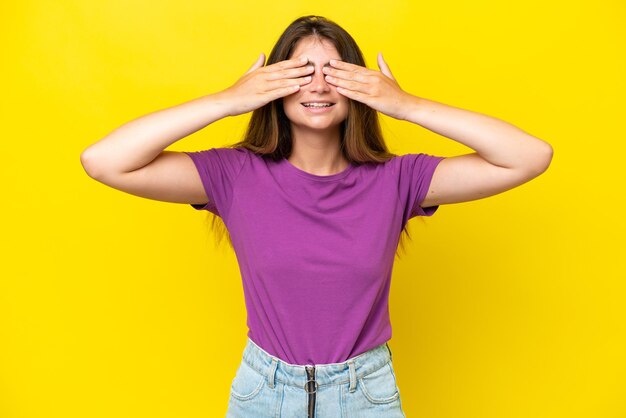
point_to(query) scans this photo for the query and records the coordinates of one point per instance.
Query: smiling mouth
(317, 105)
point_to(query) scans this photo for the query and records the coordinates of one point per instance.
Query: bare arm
(133, 159)
(505, 156)
(138, 142)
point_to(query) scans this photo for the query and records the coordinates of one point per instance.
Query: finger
(286, 82)
(342, 65)
(284, 91)
(258, 64)
(350, 94)
(384, 68)
(347, 84)
(346, 75)
(290, 63)
(291, 72)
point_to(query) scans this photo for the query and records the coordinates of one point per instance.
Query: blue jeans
(363, 386)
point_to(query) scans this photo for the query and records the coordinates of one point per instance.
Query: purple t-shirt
(315, 252)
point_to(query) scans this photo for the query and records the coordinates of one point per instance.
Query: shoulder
(220, 160)
(416, 158)
(229, 152)
(224, 154)
(417, 163)
(411, 162)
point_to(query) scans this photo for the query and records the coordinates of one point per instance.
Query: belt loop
(352, 370)
(272, 372)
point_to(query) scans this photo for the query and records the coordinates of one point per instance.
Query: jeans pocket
(380, 387)
(247, 383)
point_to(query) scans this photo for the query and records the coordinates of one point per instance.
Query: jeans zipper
(311, 388)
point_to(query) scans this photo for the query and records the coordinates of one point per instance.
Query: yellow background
(117, 306)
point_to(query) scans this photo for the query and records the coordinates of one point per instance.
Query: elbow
(546, 157)
(541, 160)
(88, 161)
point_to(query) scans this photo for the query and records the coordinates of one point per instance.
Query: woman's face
(319, 51)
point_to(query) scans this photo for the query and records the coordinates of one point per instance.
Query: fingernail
(333, 62)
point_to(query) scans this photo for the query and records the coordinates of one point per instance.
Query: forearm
(138, 142)
(495, 140)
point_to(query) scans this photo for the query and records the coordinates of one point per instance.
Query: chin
(315, 122)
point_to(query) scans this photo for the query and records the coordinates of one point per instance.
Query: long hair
(269, 130)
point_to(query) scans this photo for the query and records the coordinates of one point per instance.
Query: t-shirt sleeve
(218, 169)
(415, 174)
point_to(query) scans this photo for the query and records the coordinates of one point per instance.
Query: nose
(318, 83)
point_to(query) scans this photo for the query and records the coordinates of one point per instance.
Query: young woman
(314, 205)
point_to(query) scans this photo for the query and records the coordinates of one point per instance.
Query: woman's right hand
(260, 85)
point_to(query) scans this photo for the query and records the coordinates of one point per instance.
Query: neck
(317, 152)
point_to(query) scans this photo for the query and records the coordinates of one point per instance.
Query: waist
(325, 374)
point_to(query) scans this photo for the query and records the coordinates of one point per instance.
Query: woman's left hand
(377, 89)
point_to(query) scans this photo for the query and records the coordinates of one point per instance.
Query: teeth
(317, 104)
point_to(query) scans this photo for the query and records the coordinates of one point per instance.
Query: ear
(258, 64)
(384, 68)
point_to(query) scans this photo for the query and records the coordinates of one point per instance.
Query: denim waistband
(276, 369)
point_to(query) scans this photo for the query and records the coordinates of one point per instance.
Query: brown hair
(269, 130)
